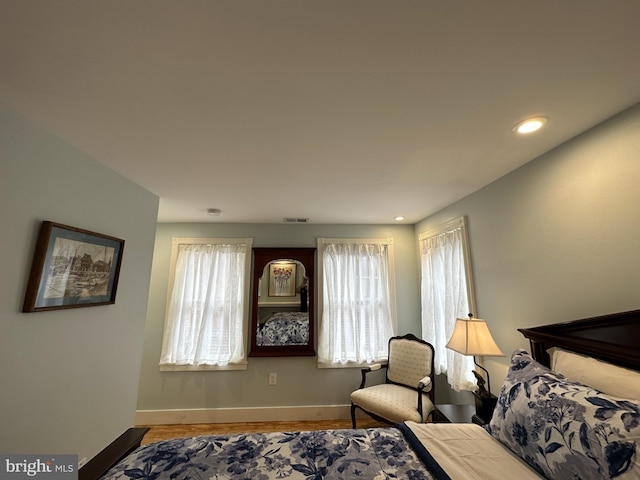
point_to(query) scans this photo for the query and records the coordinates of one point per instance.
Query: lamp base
(485, 406)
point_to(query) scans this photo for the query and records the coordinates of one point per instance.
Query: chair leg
(353, 416)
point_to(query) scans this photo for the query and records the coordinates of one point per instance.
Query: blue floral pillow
(564, 429)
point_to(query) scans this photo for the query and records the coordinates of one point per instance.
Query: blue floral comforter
(284, 328)
(373, 454)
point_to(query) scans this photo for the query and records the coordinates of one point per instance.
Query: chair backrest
(410, 360)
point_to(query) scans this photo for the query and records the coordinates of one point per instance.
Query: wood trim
(112, 454)
(262, 257)
(612, 338)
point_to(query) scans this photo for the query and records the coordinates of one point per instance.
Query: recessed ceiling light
(214, 212)
(530, 125)
(398, 218)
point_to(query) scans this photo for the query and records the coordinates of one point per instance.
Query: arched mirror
(283, 307)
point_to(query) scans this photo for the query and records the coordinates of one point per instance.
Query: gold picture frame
(282, 279)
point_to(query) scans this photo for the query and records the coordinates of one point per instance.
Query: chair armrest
(371, 368)
(424, 383)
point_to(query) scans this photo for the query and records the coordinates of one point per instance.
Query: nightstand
(478, 420)
(448, 413)
(485, 407)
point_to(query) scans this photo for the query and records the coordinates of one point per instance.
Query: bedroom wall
(557, 239)
(300, 382)
(554, 240)
(69, 377)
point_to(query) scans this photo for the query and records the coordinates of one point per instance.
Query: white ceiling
(342, 111)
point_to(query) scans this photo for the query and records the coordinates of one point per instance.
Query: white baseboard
(245, 414)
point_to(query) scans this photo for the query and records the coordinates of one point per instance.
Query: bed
(546, 424)
(284, 328)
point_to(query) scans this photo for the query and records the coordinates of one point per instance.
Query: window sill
(203, 368)
(350, 364)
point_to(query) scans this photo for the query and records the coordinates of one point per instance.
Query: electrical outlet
(273, 378)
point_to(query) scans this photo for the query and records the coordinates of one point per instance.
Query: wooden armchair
(408, 391)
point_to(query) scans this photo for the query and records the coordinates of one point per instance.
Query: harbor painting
(73, 268)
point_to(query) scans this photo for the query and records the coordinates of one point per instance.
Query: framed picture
(282, 279)
(72, 268)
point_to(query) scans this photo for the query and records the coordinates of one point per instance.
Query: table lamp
(471, 336)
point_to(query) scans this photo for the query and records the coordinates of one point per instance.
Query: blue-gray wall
(300, 382)
(558, 239)
(69, 377)
(554, 240)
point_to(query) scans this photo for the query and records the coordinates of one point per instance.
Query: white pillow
(606, 377)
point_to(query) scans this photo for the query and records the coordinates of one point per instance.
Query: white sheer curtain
(205, 316)
(445, 298)
(357, 317)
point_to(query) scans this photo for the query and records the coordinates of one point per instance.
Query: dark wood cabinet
(449, 413)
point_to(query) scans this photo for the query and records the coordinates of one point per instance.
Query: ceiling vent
(295, 220)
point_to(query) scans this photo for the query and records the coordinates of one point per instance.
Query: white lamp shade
(471, 336)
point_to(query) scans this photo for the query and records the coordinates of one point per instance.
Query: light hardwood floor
(164, 432)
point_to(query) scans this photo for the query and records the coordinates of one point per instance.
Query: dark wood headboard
(613, 338)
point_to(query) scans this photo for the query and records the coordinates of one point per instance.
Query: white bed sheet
(468, 452)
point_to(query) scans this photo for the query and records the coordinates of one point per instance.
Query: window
(447, 294)
(207, 309)
(357, 310)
